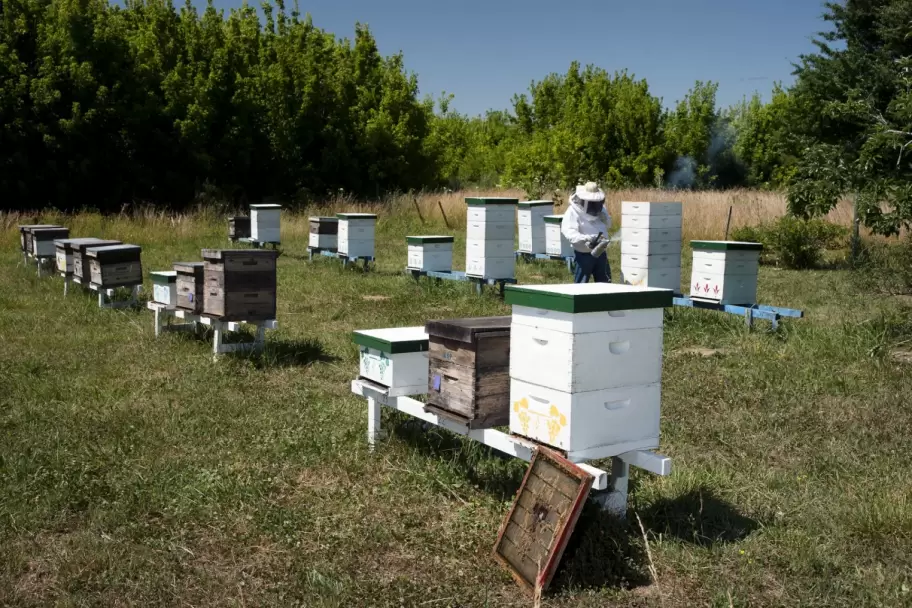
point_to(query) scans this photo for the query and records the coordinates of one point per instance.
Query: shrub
(886, 267)
(795, 242)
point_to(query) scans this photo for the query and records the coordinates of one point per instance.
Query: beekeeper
(585, 226)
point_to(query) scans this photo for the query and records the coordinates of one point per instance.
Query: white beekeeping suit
(585, 217)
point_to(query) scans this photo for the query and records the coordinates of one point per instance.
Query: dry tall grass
(705, 212)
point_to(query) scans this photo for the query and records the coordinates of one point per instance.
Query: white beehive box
(725, 271)
(164, 286)
(555, 242)
(662, 278)
(265, 223)
(650, 235)
(490, 220)
(480, 248)
(396, 358)
(585, 366)
(43, 241)
(651, 209)
(491, 268)
(495, 210)
(324, 233)
(531, 220)
(646, 248)
(357, 234)
(434, 253)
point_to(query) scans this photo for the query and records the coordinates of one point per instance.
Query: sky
(484, 52)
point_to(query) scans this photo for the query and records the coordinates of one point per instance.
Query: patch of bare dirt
(374, 298)
(700, 351)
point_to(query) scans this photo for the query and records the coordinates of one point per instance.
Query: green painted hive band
(423, 240)
(163, 277)
(497, 200)
(726, 246)
(553, 219)
(580, 299)
(393, 341)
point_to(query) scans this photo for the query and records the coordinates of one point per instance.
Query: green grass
(136, 471)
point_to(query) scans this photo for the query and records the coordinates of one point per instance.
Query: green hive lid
(726, 245)
(494, 200)
(423, 240)
(163, 277)
(553, 219)
(356, 216)
(587, 297)
(394, 340)
(524, 204)
(266, 206)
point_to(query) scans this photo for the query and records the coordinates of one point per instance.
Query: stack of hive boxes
(324, 233)
(725, 271)
(25, 235)
(490, 226)
(240, 284)
(651, 245)
(265, 223)
(586, 365)
(357, 232)
(532, 225)
(555, 241)
(190, 285)
(430, 253)
(66, 253)
(238, 228)
(115, 265)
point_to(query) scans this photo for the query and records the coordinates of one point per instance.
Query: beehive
(82, 269)
(324, 233)
(43, 241)
(490, 229)
(265, 223)
(115, 265)
(240, 285)
(531, 220)
(66, 252)
(555, 241)
(585, 366)
(469, 376)
(25, 234)
(725, 271)
(164, 287)
(396, 358)
(356, 234)
(190, 285)
(238, 227)
(430, 253)
(651, 244)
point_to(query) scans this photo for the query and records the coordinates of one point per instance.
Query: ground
(137, 471)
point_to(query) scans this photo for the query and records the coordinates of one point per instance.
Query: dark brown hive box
(81, 268)
(469, 371)
(115, 265)
(240, 284)
(239, 227)
(190, 285)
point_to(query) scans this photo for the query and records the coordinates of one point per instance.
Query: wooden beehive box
(469, 374)
(395, 357)
(240, 284)
(190, 285)
(43, 241)
(238, 227)
(65, 249)
(324, 233)
(115, 265)
(25, 234)
(81, 267)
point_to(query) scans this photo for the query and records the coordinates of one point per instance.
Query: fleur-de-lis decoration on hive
(556, 422)
(384, 363)
(521, 407)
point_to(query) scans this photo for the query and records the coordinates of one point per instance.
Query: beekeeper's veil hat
(589, 198)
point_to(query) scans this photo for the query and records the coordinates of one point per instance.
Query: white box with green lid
(636, 208)
(716, 278)
(356, 234)
(493, 209)
(164, 286)
(265, 223)
(433, 253)
(555, 241)
(531, 220)
(575, 346)
(396, 358)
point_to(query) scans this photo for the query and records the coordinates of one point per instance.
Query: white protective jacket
(579, 227)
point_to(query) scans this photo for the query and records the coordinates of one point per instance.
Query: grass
(136, 471)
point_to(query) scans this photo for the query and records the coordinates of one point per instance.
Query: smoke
(684, 173)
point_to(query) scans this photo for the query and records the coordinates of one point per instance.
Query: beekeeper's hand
(594, 241)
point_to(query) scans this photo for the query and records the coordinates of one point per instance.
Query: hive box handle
(619, 348)
(617, 405)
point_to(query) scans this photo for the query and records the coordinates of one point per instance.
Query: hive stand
(458, 275)
(164, 313)
(40, 260)
(525, 256)
(346, 260)
(256, 244)
(773, 314)
(104, 295)
(610, 489)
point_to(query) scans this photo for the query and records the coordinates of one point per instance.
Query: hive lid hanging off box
(535, 533)
(393, 341)
(190, 267)
(465, 330)
(587, 297)
(424, 240)
(726, 245)
(115, 253)
(494, 200)
(553, 219)
(527, 204)
(356, 216)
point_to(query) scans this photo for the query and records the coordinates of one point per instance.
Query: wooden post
(418, 209)
(856, 232)
(445, 220)
(728, 223)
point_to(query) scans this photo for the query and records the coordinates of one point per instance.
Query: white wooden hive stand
(164, 314)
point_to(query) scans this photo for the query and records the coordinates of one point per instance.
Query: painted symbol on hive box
(716, 290)
(696, 287)
(706, 288)
(556, 422)
(437, 383)
(521, 407)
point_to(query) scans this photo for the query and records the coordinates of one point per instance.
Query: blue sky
(484, 52)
